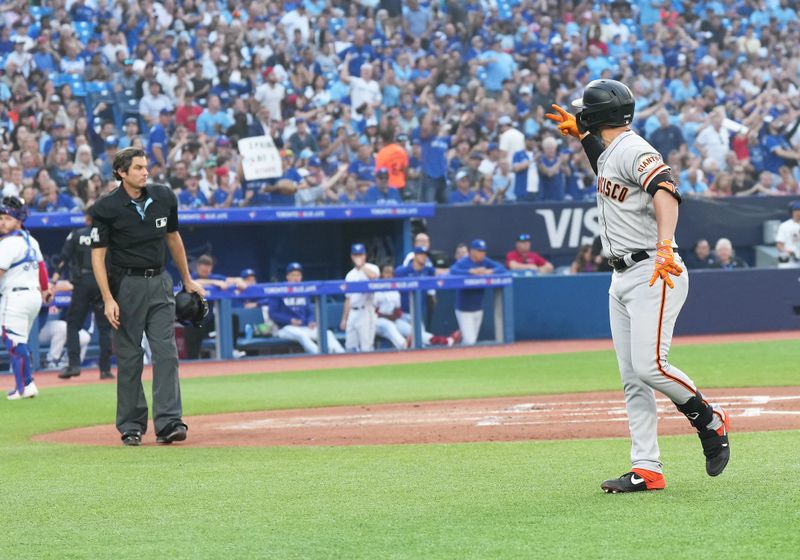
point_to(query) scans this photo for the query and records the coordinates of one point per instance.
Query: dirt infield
(568, 416)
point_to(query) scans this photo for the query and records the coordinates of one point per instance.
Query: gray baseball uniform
(642, 317)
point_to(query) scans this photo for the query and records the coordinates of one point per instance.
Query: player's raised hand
(665, 264)
(566, 121)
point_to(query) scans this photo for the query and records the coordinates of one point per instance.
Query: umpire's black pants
(146, 306)
(86, 297)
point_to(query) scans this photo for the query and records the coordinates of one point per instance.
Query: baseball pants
(307, 338)
(642, 320)
(54, 332)
(86, 298)
(146, 306)
(469, 323)
(18, 311)
(403, 325)
(360, 331)
(388, 329)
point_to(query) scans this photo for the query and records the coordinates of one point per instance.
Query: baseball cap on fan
(795, 205)
(505, 120)
(420, 250)
(478, 245)
(247, 272)
(358, 249)
(292, 266)
(524, 237)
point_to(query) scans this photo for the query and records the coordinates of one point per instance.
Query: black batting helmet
(190, 308)
(604, 103)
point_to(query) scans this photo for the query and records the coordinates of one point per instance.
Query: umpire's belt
(146, 272)
(621, 263)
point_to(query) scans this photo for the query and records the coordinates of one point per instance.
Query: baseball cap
(221, 171)
(492, 146)
(524, 237)
(166, 111)
(372, 121)
(223, 141)
(461, 174)
(131, 120)
(287, 153)
(475, 155)
(247, 272)
(314, 161)
(382, 172)
(112, 142)
(795, 205)
(292, 266)
(55, 99)
(402, 138)
(358, 249)
(419, 250)
(504, 120)
(306, 153)
(211, 162)
(478, 245)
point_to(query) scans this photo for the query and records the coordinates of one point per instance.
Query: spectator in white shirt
(152, 102)
(511, 140)
(363, 90)
(270, 94)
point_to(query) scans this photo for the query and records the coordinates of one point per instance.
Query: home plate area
(568, 416)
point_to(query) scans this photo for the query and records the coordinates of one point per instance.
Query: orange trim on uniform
(658, 344)
(653, 173)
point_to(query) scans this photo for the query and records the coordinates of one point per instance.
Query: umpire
(134, 225)
(77, 254)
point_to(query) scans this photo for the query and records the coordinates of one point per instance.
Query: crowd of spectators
(453, 92)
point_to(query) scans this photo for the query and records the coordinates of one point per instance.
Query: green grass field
(491, 500)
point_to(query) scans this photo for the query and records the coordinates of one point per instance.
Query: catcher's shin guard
(714, 441)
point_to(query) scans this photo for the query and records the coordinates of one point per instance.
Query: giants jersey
(19, 257)
(626, 212)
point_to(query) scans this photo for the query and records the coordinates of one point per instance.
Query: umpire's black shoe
(69, 371)
(106, 375)
(132, 439)
(638, 480)
(174, 432)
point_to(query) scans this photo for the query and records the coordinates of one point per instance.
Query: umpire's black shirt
(134, 231)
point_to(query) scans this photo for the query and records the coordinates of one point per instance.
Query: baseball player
(358, 316)
(24, 284)
(787, 239)
(295, 316)
(638, 212)
(390, 313)
(469, 303)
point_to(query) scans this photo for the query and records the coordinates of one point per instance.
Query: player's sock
(16, 363)
(24, 353)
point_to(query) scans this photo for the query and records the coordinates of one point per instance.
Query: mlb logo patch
(161, 222)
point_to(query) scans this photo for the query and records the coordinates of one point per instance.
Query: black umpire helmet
(190, 308)
(604, 103)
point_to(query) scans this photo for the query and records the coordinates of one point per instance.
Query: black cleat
(132, 439)
(69, 371)
(637, 480)
(106, 375)
(175, 432)
(716, 447)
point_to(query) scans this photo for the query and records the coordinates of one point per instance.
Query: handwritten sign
(260, 158)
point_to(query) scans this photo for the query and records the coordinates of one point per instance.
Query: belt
(146, 272)
(621, 263)
(20, 289)
(357, 308)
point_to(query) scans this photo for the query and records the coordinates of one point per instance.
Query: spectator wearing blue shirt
(526, 173)
(381, 193)
(363, 167)
(360, 53)
(434, 144)
(777, 150)
(499, 66)
(158, 142)
(192, 198)
(667, 137)
(351, 194)
(469, 303)
(462, 193)
(213, 121)
(684, 89)
(416, 19)
(296, 318)
(51, 200)
(227, 195)
(552, 179)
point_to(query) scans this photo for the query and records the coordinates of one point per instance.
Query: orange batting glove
(566, 122)
(665, 263)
